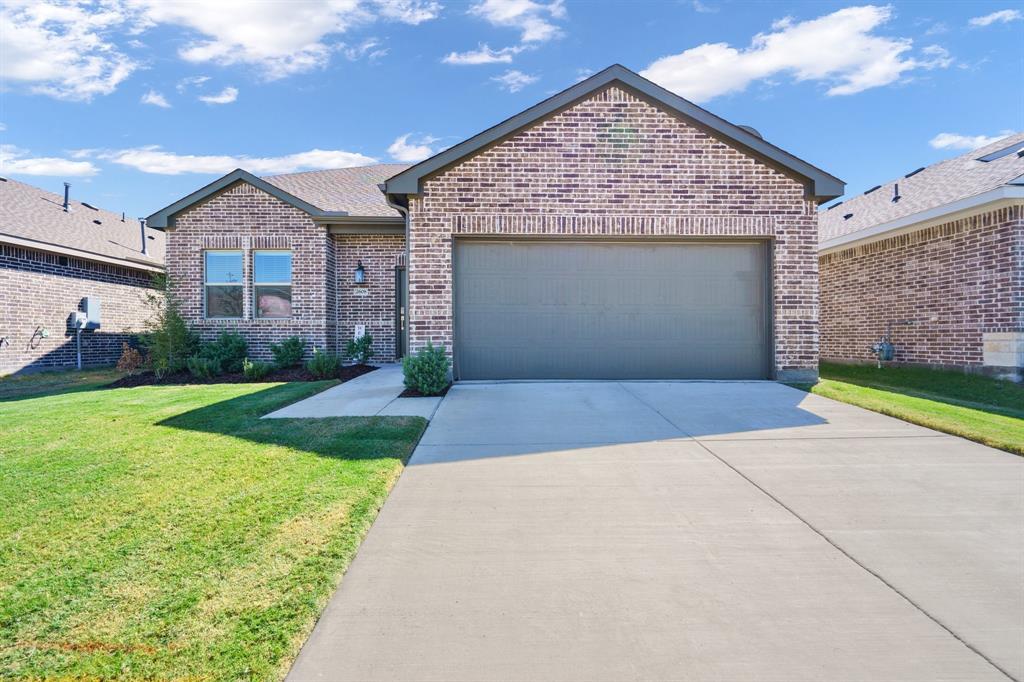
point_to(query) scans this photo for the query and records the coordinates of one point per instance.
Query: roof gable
(821, 185)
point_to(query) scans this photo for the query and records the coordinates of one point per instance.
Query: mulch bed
(274, 376)
(413, 393)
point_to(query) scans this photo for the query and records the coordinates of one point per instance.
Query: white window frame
(240, 283)
(255, 284)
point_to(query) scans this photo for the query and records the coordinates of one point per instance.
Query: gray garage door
(610, 310)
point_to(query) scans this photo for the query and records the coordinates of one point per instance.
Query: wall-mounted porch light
(360, 275)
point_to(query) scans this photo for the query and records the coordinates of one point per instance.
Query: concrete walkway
(373, 394)
(682, 531)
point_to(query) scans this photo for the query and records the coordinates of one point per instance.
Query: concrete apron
(628, 531)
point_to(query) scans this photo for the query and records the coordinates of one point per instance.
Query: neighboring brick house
(935, 259)
(614, 230)
(53, 255)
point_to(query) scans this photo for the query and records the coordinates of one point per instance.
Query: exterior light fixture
(360, 276)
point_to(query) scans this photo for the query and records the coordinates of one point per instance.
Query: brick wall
(953, 281)
(375, 308)
(245, 218)
(42, 289)
(612, 165)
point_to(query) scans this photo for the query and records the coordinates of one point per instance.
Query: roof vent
(914, 172)
(838, 203)
(896, 192)
(98, 222)
(847, 216)
(67, 196)
(3, 179)
(88, 205)
(869, 191)
(752, 131)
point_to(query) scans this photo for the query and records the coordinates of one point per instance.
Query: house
(614, 230)
(933, 260)
(58, 257)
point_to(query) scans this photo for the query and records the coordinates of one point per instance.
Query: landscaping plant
(323, 365)
(131, 360)
(360, 350)
(228, 352)
(427, 370)
(167, 340)
(288, 353)
(255, 371)
(202, 368)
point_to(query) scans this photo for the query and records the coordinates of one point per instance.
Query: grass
(979, 408)
(166, 532)
(17, 387)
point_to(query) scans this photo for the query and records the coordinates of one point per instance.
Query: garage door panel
(609, 310)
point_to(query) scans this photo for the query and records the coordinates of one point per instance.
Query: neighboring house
(934, 258)
(615, 230)
(55, 253)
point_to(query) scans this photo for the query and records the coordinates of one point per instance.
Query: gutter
(392, 201)
(139, 264)
(1008, 195)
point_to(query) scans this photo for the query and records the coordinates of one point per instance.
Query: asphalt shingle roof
(937, 185)
(31, 213)
(353, 190)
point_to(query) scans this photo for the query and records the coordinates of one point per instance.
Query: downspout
(404, 210)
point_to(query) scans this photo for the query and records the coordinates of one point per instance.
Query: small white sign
(360, 331)
(360, 292)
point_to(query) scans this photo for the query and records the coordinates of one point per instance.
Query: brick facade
(324, 306)
(44, 289)
(371, 304)
(953, 282)
(616, 165)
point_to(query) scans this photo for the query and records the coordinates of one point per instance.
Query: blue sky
(139, 102)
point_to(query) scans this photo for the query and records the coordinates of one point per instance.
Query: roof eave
(822, 187)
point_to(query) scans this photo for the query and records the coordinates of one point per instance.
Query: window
(224, 284)
(272, 280)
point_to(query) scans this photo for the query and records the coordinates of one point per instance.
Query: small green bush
(360, 350)
(202, 368)
(323, 365)
(228, 351)
(289, 353)
(167, 340)
(427, 370)
(255, 371)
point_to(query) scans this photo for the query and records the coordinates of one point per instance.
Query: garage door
(610, 310)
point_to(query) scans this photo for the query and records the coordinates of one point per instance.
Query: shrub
(228, 352)
(254, 371)
(167, 340)
(322, 365)
(360, 350)
(202, 368)
(427, 370)
(131, 360)
(289, 353)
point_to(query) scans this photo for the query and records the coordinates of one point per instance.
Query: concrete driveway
(682, 531)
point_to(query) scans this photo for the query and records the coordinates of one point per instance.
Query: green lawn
(167, 533)
(985, 410)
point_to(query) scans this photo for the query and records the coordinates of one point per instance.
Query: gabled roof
(339, 193)
(822, 185)
(925, 193)
(34, 218)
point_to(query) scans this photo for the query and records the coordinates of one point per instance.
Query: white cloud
(412, 12)
(192, 81)
(856, 59)
(369, 48)
(402, 150)
(15, 161)
(701, 8)
(225, 96)
(534, 19)
(63, 50)
(3, 127)
(483, 55)
(1003, 16)
(957, 141)
(514, 81)
(156, 99)
(155, 160)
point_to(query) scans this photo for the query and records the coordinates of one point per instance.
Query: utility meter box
(92, 312)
